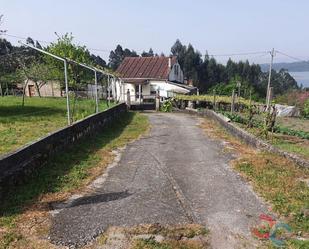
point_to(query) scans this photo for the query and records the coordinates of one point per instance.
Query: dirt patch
(155, 236)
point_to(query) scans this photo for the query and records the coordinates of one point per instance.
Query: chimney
(169, 62)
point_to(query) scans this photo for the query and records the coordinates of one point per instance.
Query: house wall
(49, 89)
(123, 88)
(176, 74)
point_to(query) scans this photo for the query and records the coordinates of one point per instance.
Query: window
(137, 91)
(153, 90)
(176, 69)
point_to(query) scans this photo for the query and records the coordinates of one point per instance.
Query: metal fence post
(233, 102)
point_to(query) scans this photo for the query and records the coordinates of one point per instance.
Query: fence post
(157, 101)
(128, 99)
(270, 95)
(233, 102)
(214, 102)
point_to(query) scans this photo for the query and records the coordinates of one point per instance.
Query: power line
(262, 53)
(239, 54)
(108, 50)
(292, 57)
(49, 42)
(24, 38)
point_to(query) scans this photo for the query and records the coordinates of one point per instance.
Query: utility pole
(108, 91)
(272, 54)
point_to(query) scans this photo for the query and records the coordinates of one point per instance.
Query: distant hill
(291, 67)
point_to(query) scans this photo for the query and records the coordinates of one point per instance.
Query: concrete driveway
(174, 175)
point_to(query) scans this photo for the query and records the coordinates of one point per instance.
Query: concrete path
(174, 175)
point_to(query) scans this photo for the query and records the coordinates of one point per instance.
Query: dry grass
(154, 236)
(279, 181)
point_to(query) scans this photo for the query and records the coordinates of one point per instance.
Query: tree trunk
(37, 88)
(7, 89)
(24, 88)
(1, 92)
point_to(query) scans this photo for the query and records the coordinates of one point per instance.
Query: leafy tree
(64, 47)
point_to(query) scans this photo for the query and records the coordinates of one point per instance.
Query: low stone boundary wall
(16, 166)
(247, 137)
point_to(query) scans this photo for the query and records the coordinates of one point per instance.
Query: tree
(97, 60)
(231, 68)
(148, 54)
(64, 47)
(191, 63)
(7, 65)
(179, 50)
(117, 56)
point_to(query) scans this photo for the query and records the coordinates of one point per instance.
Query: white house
(144, 77)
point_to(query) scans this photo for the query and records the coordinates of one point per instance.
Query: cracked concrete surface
(174, 175)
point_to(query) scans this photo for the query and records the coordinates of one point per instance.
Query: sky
(218, 26)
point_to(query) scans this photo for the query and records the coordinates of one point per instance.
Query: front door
(137, 92)
(31, 91)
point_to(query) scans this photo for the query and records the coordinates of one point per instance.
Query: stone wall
(16, 166)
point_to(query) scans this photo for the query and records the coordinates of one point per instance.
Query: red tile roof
(145, 67)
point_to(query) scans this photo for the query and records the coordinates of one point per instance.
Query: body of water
(301, 78)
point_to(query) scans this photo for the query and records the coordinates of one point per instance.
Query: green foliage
(167, 106)
(65, 48)
(291, 132)
(207, 73)
(259, 124)
(117, 56)
(148, 54)
(210, 98)
(223, 89)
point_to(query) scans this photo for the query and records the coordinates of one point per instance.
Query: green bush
(167, 106)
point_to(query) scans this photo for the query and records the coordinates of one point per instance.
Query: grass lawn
(289, 143)
(24, 215)
(292, 144)
(294, 123)
(21, 125)
(279, 181)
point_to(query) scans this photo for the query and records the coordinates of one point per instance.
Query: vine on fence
(210, 98)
